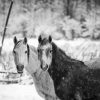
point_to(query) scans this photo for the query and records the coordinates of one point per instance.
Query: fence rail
(5, 72)
(9, 80)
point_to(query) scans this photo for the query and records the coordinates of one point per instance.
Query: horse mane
(17, 43)
(61, 61)
(28, 51)
(57, 49)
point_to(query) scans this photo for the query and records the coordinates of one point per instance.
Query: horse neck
(33, 62)
(58, 55)
(34, 66)
(59, 61)
(62, 63)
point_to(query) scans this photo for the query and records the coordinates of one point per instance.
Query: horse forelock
(44, 41)
(17, 45)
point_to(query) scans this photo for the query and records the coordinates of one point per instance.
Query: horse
(73, 80)
(25, 56)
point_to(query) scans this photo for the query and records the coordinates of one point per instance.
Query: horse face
(45, 54)
(20, 54)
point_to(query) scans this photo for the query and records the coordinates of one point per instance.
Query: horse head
(45, 51)
(21, 54)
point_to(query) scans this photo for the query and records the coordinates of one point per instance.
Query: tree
(68, 6)
(88, 5)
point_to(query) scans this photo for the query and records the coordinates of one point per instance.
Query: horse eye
(50, 51)
(25, 51)
(14, 52)
(38, 50)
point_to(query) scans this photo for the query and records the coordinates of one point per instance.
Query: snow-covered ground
(19, 92)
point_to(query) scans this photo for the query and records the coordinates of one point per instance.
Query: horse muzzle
(20, 69)
(44, 68)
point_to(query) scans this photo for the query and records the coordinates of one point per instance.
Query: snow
(19, 92)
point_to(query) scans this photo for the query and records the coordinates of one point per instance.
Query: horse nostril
(45, 67)
(20, 68)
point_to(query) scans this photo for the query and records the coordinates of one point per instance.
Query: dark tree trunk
(88, 5)
(68, 7)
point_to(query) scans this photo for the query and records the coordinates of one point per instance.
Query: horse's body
(71, 77)
(43, 82)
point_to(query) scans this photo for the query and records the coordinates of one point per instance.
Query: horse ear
(39, 39)
(15, 40)
(50, 39)
(25, 40)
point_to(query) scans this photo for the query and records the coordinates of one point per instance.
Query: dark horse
(73, 80)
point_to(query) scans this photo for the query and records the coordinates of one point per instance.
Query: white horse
(25, 56)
